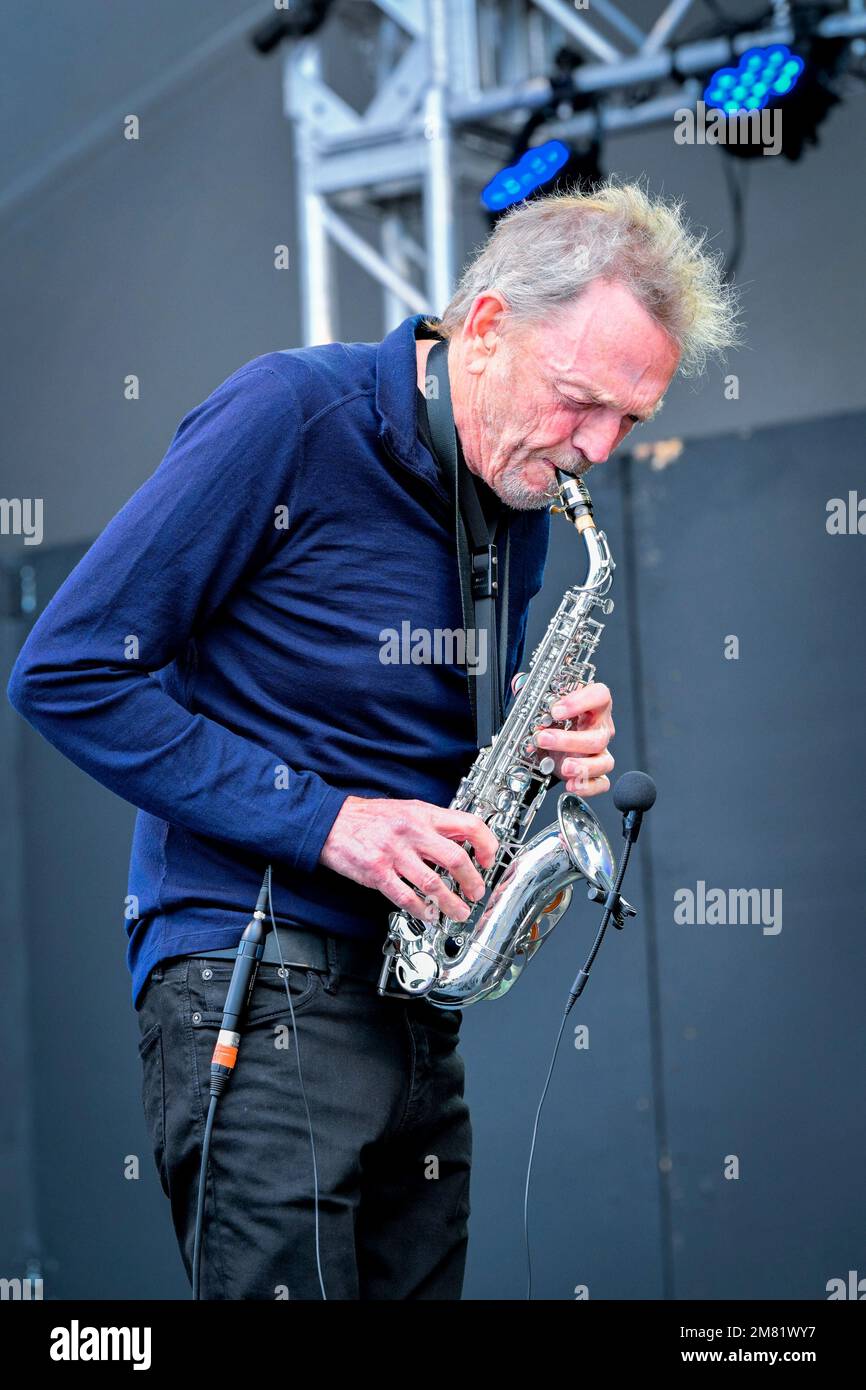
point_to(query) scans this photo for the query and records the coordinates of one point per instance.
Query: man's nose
(596, 437)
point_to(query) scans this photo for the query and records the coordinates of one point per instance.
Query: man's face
(559, 393)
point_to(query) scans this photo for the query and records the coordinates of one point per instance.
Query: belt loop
(333, 954)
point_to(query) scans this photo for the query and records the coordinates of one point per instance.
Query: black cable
(532, 1155)
(736, 194)
(221, 1082)
(576, 991)
(580, 982)
(199, 1206)
(285, 978)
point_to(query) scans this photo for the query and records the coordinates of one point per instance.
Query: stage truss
(450, 83)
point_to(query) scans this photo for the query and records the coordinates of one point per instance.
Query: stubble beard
(515, 492)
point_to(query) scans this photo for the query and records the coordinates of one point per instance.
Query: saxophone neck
(574, 501)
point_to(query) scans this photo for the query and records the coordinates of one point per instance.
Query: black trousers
(393, 1143)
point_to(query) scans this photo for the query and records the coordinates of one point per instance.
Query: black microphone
(251, 948)
(250, 951)
(633, 794)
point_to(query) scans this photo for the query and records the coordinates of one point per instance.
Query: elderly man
(216, 660)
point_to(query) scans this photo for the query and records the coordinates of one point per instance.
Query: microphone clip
(620, 907)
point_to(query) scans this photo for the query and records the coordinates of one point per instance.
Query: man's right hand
(379, 843)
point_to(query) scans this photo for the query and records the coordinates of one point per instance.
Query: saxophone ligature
(528, 886)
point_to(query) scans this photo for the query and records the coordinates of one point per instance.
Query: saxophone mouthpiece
(574, 501)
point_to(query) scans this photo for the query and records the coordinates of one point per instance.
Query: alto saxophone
(528, 886)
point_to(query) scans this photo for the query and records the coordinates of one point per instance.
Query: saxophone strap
(478, 556)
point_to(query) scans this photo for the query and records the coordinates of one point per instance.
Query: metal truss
(451, 83)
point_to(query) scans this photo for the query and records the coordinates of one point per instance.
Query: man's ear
(483, 323)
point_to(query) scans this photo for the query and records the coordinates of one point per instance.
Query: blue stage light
(761, 75)
(539, 165)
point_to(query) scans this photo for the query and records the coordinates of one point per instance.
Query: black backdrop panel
(105, 1234)
(760, 764)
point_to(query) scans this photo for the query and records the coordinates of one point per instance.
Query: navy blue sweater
(215, 658)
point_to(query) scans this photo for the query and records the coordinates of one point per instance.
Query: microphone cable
(250, 950)
(634, 794)
(285, 978)
(532, 1155)
(576, 990)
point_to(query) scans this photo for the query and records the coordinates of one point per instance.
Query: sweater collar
(396, 386)
(396, 406)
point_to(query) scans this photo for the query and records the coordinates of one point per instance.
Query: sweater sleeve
(151, 580)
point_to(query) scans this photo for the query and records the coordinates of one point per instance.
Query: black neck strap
(477, 554)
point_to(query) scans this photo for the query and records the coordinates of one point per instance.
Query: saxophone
(528, 886)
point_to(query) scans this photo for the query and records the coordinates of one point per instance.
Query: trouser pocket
(208, 984)
(153, 1097)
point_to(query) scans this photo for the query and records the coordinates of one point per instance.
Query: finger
(402, 895)
(577, 742)
(588, 698)
(462, 825)
(587, 768)
(454, 858)
(591, 788)
(431, 885)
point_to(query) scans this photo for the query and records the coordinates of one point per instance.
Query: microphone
(634, 794)
(251, 948)
(250, 951)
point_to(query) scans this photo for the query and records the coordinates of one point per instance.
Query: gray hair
(543, 253)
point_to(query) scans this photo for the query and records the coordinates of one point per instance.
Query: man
(216, 658)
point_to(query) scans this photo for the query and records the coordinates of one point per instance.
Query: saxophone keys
(547, 763)
(418, 974)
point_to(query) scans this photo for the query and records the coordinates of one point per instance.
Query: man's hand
(379, 843)
(581, 755)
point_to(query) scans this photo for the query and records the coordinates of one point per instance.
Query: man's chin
(522, 498)
(529, 496)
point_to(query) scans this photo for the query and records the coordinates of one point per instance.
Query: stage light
(792, 89)
(538, 166)
(762, 76)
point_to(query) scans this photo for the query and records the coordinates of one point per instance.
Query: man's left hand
(581, 755)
